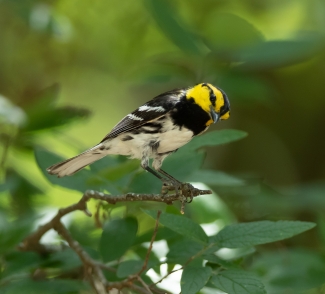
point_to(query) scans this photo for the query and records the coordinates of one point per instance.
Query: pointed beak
(215, 116)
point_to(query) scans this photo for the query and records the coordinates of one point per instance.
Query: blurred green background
(109, 57)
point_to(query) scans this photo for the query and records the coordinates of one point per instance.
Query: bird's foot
(181, 189)
(188, 191)
(170, 185)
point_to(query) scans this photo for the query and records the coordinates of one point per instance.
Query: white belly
(143, 144)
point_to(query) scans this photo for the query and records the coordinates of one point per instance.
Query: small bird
(156, 129)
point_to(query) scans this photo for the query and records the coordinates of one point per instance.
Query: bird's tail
(74, 164)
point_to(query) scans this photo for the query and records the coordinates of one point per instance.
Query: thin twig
(145, 264)
(144, 285)
(165, 276)
(98, 222)
(32, 241)
(139, 289)
(94, 272)
(184, 265)
(93, 268)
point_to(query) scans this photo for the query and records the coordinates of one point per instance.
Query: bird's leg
(166, 182)
(150, 170)
(186, 188)
(169, 176)
(172, 184)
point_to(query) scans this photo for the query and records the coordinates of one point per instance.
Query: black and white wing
(153, 109)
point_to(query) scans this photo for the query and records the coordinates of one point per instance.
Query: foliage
(121, 242)
(99, 58)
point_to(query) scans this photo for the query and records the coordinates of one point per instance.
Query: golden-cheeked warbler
(156, 129)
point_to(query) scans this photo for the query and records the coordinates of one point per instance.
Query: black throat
(190, 115)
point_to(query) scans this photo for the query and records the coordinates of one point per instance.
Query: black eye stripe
(213, 97)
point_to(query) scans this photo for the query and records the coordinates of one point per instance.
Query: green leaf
(284, 269)
(145, 182)
(81, 181)
(22, 192)
(43, 114)
(238, 282)
(230, 254)
(50, 118)
(243, 33)
(18, 262)
(182, 165)
(216, 262)
(10, 114)
(170, 24)
(131, 267)
(214, 138)
(117, 237)
(162, 234)
(181, 225)
(45, 159)
(261, 232)
(180, 252)
(66, 260)
(49, 287)
(12, 233)
(278, 53)
(194, 278)
(212, 177)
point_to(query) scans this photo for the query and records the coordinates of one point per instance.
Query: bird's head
(211, 99)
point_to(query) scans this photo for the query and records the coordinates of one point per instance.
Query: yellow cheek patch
(209, 122)
(225, 116)
(201, 96)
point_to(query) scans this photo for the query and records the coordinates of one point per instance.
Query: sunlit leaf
(11, 114)
(260, 232)
(243, 33)
(43, 114)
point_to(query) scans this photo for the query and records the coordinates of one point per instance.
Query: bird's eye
(213, 99)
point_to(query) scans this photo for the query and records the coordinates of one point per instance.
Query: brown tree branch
(32, 241)
(93, 268)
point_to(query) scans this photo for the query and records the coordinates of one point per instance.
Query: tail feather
(74, 164)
